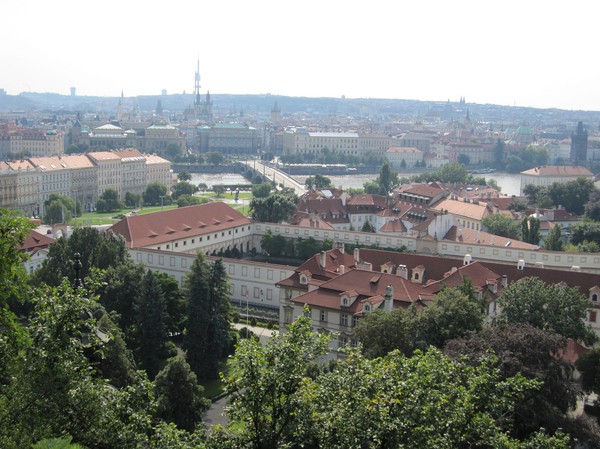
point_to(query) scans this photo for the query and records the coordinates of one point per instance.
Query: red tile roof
(35, 241)
(166, 226)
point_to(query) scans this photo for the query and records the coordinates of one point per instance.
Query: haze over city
(537, 54)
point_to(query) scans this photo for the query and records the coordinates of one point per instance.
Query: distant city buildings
(549, 174)
(27, 183)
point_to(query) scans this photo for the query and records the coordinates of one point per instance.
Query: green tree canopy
(530, 230)
(151, 321)
(552, 307)
(183, 188)
(206, 336)
(502, 225)
(317, 181)
(553, 240)
(184, 175)
(155, 194)
(261, 190)
(180, 399)
(550, 406)
(109, 201)
(58, 209)
(572, 195)
(277, 207)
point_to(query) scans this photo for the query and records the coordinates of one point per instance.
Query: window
(594, 297)
(256, 292)
(344, 320)
(592, 316)
(323, 316)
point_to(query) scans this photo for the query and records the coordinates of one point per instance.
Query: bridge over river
(264, 171)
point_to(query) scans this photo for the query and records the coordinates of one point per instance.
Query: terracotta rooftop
(558, 170)
(465, 235)
(35, 241)
(160, 227)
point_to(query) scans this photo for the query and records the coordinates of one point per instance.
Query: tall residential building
(8, 186)
(84, 179)
(109, 170)
(29, 184)
(55, 178)
(133, 171)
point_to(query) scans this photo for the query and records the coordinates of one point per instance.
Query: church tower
(579, 145)
(206, 114)
(275, 113)
(197, 98)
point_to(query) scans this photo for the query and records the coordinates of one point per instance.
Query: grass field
(109, 218)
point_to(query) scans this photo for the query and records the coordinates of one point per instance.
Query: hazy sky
(527, 52)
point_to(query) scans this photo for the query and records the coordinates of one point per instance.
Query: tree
(219, 189)
(553, 240)
(174, 299)
(183, 188)
(317, 181)
(452, 172)
(277, 207)
(367, 227)
(453, 314)
(13, 230)
(499, 151)
(592, 207)
(463, 159)
(189, 200)
(261, 190)
(97, 250)
(547, 407)
(151, 321)
(530, 230)
(180, 399)
(371, 187)
(585, 232)
(264, 383)
(382, 332)
(109, 201)
(387, 179)
(58, 209)
(205, 336)
(214, 158)
(154, 194)
(184, 175)
(502, 225)
(572, 195)
(424, 401)
(54, 389)
(588, 364)
(133, 199)
(552, 307)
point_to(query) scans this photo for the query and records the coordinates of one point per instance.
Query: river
(509, 183)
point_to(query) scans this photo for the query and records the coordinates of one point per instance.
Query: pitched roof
(465, 235)
(558, 170)
(35, 241)
(463, 208)
(165, 226)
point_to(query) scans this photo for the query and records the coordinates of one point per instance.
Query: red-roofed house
(211, 228)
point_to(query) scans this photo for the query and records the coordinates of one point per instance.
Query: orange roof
(558, 170)
(160, 227)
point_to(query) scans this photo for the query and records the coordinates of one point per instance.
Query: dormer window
(594, 297)
(367, 308)
(303, 279)
(345, 301)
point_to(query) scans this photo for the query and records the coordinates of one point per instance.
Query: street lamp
(161, 202)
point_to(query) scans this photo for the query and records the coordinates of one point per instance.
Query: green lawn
(96, 219)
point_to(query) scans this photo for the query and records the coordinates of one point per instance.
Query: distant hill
(376, 109)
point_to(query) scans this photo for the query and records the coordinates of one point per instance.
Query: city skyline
(536, 54)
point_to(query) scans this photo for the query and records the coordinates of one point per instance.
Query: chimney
(323, 259)
(368, 266)
(339, 245)
(342, 269)
(356, 255)
(504, 281)
(389, 298)
(402, 271)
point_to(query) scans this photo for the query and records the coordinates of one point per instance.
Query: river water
(509, 183)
